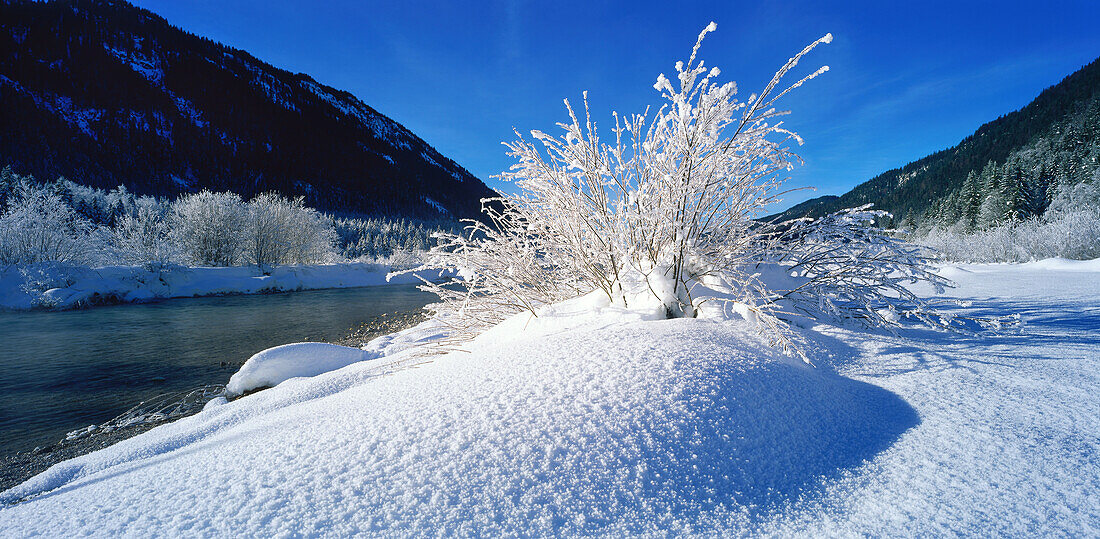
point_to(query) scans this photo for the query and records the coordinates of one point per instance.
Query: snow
(281, 363)
(147, 67)
(438, 207)
(184, 184)
(61, 286)
(384, 128)
(80, 118)
(152, 71)
(274, 366)
(591, 419)
(188, 110)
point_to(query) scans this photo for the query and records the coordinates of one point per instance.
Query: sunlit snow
(596, 420)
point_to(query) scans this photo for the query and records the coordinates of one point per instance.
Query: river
(60, 371)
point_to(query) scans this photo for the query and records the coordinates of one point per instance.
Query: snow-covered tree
(208, 226)
(1069, 228)
(278, 231)
(38, 226)
(146, 237)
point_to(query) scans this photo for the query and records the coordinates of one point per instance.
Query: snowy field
(592, 420)
(60, 286)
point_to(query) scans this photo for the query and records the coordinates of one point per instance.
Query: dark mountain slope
(105, 93)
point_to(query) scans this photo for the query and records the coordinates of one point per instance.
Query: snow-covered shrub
(208, 226)
(278, 231)
(38, 226)
(36, 279)
(842, 266)
(145, 237)
(495, 270)
(672, 200)
(311, 238)
(663, 219)
(67, 222)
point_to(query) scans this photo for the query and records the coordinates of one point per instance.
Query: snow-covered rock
(274, 365)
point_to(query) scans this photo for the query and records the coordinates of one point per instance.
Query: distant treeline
(61, 221)
(1008, 171)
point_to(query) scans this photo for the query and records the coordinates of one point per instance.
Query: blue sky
(906, 78)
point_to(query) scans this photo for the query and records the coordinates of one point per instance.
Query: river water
(60, 371)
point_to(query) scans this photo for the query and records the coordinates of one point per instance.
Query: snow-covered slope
(601, 422)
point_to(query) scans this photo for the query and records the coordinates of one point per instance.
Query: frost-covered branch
(843, 266)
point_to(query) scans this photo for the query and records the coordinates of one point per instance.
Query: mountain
(1011, 165)
(105, 93)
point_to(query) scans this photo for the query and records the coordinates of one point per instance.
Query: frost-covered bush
(663, 218)
(497, 269)
(278, 231)
(219, 229)
(843, 266)
(208, 226)
(83, 226)
(38, 226)
(145, 237)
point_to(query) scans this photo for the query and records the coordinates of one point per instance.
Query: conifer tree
(970, 199)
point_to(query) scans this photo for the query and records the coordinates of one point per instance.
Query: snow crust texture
(583, 431)
(603, 424)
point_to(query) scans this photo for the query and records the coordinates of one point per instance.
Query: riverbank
(18, 467)
(61, 286)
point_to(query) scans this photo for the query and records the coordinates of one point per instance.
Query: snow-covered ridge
(384, 128)
(59, 286)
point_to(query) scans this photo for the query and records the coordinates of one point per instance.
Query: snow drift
(631, 427)
(281, 363)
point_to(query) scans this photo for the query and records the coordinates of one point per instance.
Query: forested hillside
(104, 93)
(1008, 170)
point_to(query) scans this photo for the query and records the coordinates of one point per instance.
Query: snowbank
(633, 427)
(1053, 264)
(591, 420)
(275, 365)
(61, 286)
